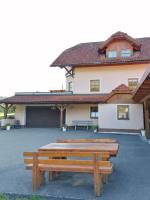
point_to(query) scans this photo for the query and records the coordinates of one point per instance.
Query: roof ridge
(97, 42)
(121, 87)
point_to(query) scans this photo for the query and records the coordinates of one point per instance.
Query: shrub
(3, 197)
(11, 117)
(95, 127)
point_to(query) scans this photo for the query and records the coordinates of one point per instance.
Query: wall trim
(120, 130)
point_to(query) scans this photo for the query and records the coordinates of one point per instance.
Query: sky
(33, 33)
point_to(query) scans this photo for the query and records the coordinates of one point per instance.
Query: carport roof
(64, 98)
(56, 99)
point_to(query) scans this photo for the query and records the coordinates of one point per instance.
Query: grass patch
(9, 114)
(30, 198)
(3, 197)
(8, 197)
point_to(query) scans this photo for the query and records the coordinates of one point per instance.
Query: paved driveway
(129, 181)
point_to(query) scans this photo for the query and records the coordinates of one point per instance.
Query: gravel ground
(129, 181)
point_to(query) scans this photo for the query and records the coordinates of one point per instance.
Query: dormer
(120, 45)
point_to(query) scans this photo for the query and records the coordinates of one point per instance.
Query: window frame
(128, 116)
(121, 53)
(111, 56)
(95, 117)
(98, 86)
(129, 79)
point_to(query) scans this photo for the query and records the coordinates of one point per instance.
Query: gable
(122, 37)
(119, 45)
(121, 98)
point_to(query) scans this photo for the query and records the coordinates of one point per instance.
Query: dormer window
(112, 54)
(126, 53)
(119, 45)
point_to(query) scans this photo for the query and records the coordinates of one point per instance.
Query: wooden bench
(100, 140)
(41, 162)
(86, 123)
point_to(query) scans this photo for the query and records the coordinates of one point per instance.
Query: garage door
(42, 117)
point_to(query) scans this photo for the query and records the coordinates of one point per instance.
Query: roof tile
(88, 54)
(66, 99)
(48, 99)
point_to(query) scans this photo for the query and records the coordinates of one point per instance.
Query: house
(105, 83)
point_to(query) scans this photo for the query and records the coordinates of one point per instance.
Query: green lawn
(2, 115)
(6, 197)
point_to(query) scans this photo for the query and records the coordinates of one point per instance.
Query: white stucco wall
(21, 114)
(78, 112)
(108, 117)
(110, 77)
(73, 112)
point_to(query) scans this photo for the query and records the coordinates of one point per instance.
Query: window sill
(93, 117)
(123, 119)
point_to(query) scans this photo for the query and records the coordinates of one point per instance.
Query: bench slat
(73, 162)
(29, 154)
(72, 168)
(67, 162)
(99, 140)
(82, 122)
(72, 154)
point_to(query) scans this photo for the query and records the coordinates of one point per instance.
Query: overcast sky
(34, 32)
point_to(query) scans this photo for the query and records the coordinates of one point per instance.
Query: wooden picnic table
(112, 148)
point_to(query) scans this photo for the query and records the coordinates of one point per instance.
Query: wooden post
(97, 176)
(61, 115)
(61, 108)
(5, 111)
(35, 180)
(146, 119)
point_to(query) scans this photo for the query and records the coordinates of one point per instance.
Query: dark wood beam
(146, 86)
(69, 71)
(146, 119)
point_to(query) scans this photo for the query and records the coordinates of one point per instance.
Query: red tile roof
(65, 98)
(48, 99)
(89, 53)
(121, 89)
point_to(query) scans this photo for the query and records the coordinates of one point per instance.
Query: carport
(46, 109)
(142, 95)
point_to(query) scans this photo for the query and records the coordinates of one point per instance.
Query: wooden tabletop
(112, 148)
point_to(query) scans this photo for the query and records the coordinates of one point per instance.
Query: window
(94, 85)
(132, 83)
(70, 86)
(111, 54)
(126, 53)
(123, 112)
(94, 112)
